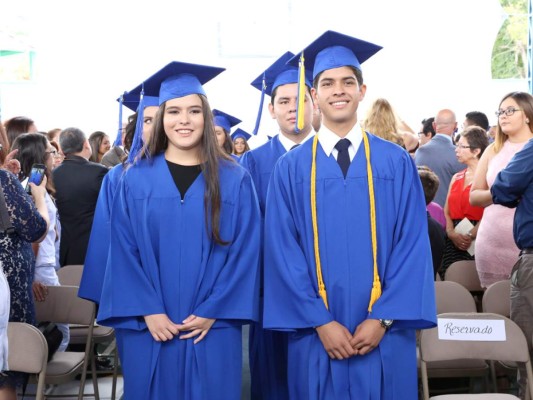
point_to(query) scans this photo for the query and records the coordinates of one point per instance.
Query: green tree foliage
(509, 54)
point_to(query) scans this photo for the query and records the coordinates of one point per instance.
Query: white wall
(436, 53)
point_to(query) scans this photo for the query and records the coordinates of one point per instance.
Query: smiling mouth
(340, 103)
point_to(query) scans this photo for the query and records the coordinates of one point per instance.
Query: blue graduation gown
(260, 163)
(291, 300)
(98, 248)
(162, 260)
(267, 349)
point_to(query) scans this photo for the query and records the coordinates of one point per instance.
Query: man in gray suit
(439, 153)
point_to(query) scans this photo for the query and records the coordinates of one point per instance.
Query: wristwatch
(386, 323)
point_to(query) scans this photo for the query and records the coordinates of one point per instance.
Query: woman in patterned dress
(29, 219)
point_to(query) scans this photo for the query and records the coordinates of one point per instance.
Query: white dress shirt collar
(289, 144)
(328, 140)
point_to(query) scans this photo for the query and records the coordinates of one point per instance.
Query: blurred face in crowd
(239, 145)
(105, 146)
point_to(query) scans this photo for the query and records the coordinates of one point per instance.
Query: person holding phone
(36, 176)
(36, 157)
(29, 220)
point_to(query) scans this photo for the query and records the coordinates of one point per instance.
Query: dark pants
(522, 307)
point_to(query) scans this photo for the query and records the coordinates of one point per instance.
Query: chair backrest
(497, 298)
(70, 274)
(465, 273)
(514, 348)
(453, 297)
(62, 305)
(28, 352)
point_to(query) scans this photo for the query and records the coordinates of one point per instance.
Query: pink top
(437, 213)
(496, 251)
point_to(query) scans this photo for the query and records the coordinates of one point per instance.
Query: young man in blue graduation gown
(268, 349)
(180, 280)
(349, 267)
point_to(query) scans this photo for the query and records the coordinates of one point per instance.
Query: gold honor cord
(376, 284)
(321, 286)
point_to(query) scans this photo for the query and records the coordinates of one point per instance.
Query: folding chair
(71, 275)
(514, 348)
(62, 305)
(28, 352)
(465, 273)
(497, 300)
(453, 297)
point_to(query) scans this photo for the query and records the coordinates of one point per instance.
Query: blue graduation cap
(334, 50)
(279, 73)
(239, 133)
(178, 79)
(224, 120)
(131, 100)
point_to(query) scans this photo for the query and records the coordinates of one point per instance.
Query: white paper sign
(483, 330)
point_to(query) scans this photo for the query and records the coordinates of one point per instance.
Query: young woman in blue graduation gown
(182, 274)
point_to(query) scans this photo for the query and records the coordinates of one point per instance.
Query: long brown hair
(32, 150)
(228, 143)
(210, 154)
(525, 102)
(95, 140)
(16, 126)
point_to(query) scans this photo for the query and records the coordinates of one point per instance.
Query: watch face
(386, 323)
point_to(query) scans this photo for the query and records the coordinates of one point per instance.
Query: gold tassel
(301, 94)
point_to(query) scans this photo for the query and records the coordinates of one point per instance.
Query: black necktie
(295, 146)
(343, 158)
